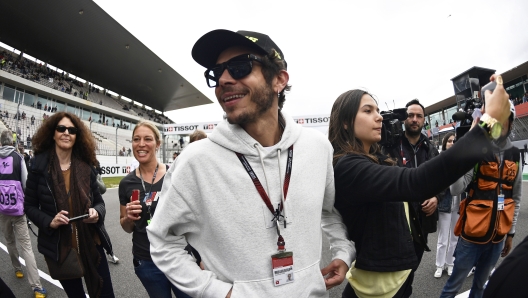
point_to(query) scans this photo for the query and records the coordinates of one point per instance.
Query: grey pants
(15, 230)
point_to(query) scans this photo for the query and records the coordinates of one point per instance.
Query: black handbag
(71, 268)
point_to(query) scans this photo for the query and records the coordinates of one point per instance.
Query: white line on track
(41, 274)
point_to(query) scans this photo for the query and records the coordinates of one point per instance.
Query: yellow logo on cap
(253, 39)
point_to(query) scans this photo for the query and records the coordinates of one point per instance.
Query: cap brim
(207, 49)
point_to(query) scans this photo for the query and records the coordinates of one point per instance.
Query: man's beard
(412, 133)
(263, 98)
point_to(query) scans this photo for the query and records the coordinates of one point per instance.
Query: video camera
(392, 129)
(470, 96)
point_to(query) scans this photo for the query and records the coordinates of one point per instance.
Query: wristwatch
(491, 125)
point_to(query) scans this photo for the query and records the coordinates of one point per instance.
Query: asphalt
(126, 284)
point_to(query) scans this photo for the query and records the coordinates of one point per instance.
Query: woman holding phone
(371, 193)
(138, 195)
(61, 186)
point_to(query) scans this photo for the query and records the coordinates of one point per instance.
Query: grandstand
(16, 86)
(92, 67)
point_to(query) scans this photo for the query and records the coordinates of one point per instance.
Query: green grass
(112, 181)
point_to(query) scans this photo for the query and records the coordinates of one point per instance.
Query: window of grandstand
(449, 113)
(436, 118)
(29, 98)
(515, 87)
(72, 110)
(60, 105)
(9, 92)
(86, 114)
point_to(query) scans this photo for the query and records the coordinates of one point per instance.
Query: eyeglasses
(238, 67)
(62, 128)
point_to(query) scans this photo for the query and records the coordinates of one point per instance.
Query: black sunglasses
(238, 67)
(62, 128)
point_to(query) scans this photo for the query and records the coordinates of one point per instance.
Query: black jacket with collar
(425, 151)
(40, 207)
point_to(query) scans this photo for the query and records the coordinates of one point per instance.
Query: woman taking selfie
(60, 187)
(371, 191)
(135, 215)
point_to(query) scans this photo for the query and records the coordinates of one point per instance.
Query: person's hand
(202, 266)
(94, 216)
(475, 122)
(334, 273)
(429, 206)
(497, 103)
(133, 210)
(60, 219)
(507, 246)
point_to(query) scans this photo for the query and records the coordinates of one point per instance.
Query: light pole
(116, 143)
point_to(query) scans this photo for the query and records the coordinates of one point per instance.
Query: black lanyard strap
(258, 185)
(150, 189)
(153, 178)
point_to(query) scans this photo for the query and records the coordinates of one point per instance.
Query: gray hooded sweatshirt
(209, 200)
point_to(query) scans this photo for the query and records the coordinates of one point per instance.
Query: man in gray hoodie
(13, 222)
(255, 196)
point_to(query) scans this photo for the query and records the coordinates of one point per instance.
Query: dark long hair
(344, 140)
(84, 147)
(444, 140)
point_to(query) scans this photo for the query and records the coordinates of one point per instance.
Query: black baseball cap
(207, 49)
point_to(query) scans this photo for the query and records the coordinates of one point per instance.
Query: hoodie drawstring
(281, 186)
(280, 180)
(263, 169)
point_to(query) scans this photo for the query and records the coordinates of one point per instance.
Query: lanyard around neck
(153, 178)
(258, 185)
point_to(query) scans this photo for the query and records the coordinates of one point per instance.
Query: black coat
(40, 207)
(366, 193)
(510, 277)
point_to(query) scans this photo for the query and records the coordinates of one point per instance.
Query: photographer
(410, 151)
(371, 193)
(488, 213)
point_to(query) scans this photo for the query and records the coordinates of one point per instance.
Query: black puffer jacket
(40, 207)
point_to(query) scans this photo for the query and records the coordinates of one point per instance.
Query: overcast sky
(398, 50)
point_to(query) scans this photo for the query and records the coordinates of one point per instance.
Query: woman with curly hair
(62, 185)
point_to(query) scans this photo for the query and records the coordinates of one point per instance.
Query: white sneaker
(449, 270)
(112, 258)
(438, 272)
(471, 272)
